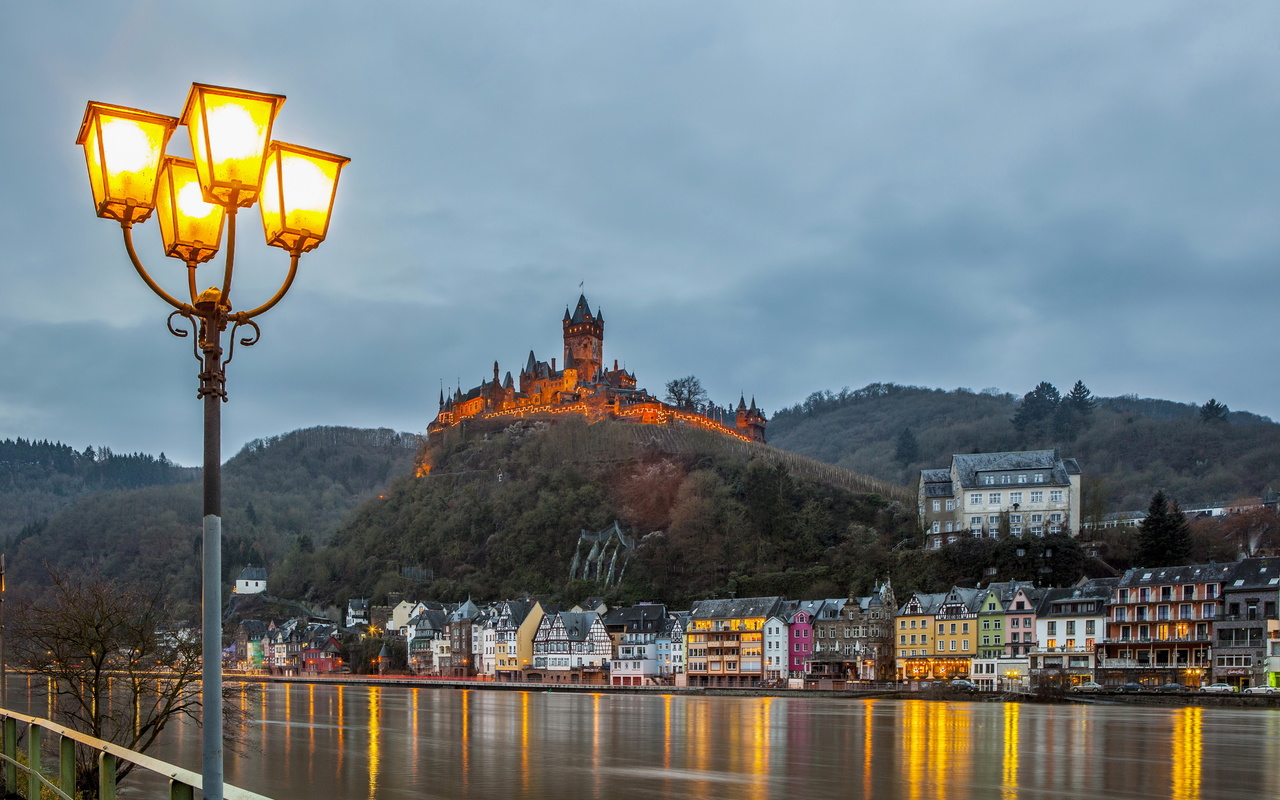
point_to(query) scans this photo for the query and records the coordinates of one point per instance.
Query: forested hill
(38, 478)
(500, 513)
(279, 494)
(1127, 446)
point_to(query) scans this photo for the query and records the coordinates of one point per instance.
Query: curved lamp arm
(155, 287)
(245, 316)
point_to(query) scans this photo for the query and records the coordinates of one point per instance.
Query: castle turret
(750, 421)
(583, 339)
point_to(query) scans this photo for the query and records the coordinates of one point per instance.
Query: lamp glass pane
(190, 227)
(123, 148)
(298, 199)
(230, 130)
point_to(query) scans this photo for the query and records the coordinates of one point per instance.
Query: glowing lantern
(123, 147)
(190, 227)
(297, 195)
(230, 129)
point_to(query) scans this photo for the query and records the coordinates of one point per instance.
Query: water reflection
(364, 742)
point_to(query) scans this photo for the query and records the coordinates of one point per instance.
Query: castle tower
(750, 421)
(584, 339)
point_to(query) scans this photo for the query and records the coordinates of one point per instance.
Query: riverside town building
(1191, 625)
(1034, 492)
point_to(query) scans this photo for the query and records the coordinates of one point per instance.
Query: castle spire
(582, 312)
(742, 403)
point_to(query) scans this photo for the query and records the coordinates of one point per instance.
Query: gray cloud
(779, 198)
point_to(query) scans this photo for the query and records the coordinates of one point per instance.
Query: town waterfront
(313, 740)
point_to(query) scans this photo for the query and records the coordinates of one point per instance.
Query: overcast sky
(776, 197)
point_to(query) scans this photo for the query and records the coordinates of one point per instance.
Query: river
(323, 741)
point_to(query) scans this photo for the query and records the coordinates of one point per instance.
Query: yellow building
(915, 632)
(956, 633)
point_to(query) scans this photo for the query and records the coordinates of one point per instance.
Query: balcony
(1191, 637)
(1133, 663)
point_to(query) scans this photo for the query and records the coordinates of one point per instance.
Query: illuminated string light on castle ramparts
(585, 387)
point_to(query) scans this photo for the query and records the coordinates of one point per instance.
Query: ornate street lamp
(236, 165)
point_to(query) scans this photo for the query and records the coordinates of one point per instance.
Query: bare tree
(118, 668)
(686, 392)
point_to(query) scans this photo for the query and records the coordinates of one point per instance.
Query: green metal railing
(183, 784)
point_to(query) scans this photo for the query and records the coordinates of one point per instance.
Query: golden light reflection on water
(466, 737)
(288, 717)
(311, 715)
(868, 711)
(342, 730)
(698, 749)
(415, 696)
(666, 731)
(914, 739)
(524, 741)
(1009, 776)
(1187, 753)
(595, 743)
(760, 748)
(375, 740)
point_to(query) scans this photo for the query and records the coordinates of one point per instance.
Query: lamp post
(236, 164)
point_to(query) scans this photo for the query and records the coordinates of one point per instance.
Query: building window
(975, 499)
(1022, 479)
(975, 522)
(993, 498)
(1055, 495)
(949, 524)
(1015, 530)
(1015, 498)
(1037, 497)
(951, 505)
(937, 526)
(1039, 478)
(937, 505)
(988, 480)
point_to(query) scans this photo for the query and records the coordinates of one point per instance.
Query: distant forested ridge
(1128, 447)
(37, 478)
(280, 493)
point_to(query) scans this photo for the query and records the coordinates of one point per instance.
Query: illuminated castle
(585, 386)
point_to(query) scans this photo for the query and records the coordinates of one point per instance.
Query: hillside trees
(1036, 411)
(1164, 538)
(1135, 444)
(686, 392)
(908, 447)
(1213, 411)
(118, 669)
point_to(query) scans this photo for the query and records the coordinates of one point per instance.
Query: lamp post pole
(212, 380)
(236, 165)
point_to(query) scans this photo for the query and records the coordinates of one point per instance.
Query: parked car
(1131, 687)
(1221, 688)
(1262, 690)
(1088, 686)
(1172, 687)
(961, 685)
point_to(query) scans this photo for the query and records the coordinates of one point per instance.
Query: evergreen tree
(1037, 407)
(1213, 411)
(1164, 538)
(1081, 399)
(908, 448)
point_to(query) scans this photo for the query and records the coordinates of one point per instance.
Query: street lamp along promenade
(236, 164)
